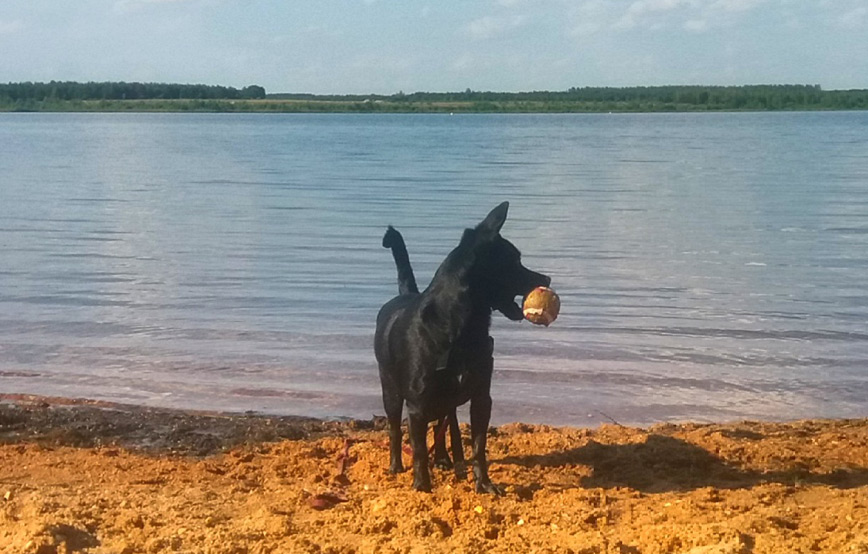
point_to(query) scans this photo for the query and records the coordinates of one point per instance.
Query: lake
(711, 267)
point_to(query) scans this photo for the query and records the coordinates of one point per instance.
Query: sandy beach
(80, 476)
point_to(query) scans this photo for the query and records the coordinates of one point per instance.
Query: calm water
(711, 266)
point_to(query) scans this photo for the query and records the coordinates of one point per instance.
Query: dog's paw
(421, 486)
(443, 463)
(460, 471)
(487, 487)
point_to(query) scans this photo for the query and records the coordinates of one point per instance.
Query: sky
(387, 46)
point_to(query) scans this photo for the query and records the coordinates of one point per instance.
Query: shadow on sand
(662, 464)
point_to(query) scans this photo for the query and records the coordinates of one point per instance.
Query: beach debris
(344, 457)
(607, 416)
(340, 480)
(343, 464)
(8, 496)
(326, 500)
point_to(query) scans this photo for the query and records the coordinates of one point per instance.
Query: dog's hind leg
(441, 456)
(418, 442)
(393, 404)
(457, 447)
(396, 464)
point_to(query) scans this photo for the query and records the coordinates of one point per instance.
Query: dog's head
(496, 272)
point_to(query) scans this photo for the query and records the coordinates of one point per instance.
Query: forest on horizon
(133, 96)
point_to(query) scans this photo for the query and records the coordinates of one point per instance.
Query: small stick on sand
(610, 418)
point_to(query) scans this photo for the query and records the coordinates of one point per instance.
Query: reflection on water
(711, 266)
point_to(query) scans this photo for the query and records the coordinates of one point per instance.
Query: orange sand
(124, 480)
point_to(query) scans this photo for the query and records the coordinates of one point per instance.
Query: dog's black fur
(434, 350)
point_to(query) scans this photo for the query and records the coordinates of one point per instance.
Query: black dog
(434, 350)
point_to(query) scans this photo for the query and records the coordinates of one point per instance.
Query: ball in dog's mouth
(541, 306)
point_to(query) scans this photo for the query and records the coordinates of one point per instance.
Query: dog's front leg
(419, 445)
(480, 415)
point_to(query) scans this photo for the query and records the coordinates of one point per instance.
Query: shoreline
(98, 477)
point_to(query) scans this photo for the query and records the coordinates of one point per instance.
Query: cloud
(735, 5)
(696, 25)
(10, 27)
(643, 12)
(594, 16)
(853, 19)
(464, 62)
(492, 26)
(590, 17)
(133, 5)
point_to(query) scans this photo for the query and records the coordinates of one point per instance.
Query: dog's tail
(406, 280)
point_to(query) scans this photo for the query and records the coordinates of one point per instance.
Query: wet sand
(79, 476)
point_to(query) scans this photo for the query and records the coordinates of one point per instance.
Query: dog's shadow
(663, 463)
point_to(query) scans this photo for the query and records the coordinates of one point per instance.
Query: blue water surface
(712, 267)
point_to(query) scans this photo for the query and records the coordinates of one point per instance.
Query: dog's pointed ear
(495, 219)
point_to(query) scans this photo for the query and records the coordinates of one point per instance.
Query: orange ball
(541, 306)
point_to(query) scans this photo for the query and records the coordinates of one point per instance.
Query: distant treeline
(659, 98)
(70, 90)
(120, 96)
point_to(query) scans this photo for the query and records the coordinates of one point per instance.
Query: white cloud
(735, 5)
(589, 17)
(10, 27)
(696, 25)
(645, 11)
(592, 16)
(853, 19)
(464, 62)
(132, 5)
(658, 5)
(492, 26)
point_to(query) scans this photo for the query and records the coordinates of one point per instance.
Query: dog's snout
(539, 280)
(532, 280)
